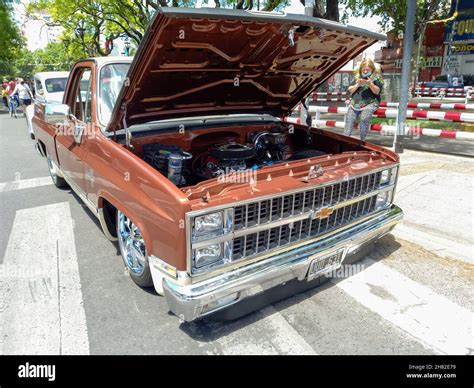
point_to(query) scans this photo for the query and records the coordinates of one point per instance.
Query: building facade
(34, 28)
(459, 40)
(447, 48)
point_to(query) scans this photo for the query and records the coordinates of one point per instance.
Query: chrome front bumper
(196, 300)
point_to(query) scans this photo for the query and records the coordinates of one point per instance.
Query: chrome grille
(262, 212)
(255, 243)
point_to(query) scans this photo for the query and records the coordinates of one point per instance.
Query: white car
(49, 88)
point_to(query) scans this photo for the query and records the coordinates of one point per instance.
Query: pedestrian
(365, 97)
(4, 96)
(24, 93)
(11, 86)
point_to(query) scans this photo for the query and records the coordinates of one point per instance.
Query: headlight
(209, 225)
(384, 198)
(388, 176)
(212, 254)
(212, 225)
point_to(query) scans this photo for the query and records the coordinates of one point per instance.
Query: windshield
(110, 82)
(55, 85)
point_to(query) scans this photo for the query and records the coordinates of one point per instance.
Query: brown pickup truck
(185, 157)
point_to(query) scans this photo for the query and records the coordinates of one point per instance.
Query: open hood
(214, 61)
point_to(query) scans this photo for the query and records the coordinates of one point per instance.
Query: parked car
(48, 88)
(445, 81)
(184, 157)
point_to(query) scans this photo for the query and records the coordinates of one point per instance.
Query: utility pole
(308, 7)
(308, 11)
(406, 66)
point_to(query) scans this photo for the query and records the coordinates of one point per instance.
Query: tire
(57, 180)
(133, 251)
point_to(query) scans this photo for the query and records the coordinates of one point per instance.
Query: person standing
(24, 93)
(365, 98)
(4, 96)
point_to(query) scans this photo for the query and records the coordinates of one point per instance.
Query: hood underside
(215, 61)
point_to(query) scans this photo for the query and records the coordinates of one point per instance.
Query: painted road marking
(41, 309)
(25, 184)
(433, 320)
(446, 247)
(275, 336)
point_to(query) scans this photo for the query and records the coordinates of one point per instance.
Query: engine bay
(224, 155)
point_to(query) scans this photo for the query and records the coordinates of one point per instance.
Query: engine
(225, 159)
(270, 146)
(261, 149)
(168, 160)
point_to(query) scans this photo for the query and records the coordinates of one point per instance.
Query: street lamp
(126, 50)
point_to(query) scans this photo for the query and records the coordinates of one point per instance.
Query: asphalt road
(64, 290)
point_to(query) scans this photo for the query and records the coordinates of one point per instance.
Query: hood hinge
(128, 134)
(309, 120)
(291, 36)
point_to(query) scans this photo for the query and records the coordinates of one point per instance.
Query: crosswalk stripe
(41, 309)
(285, 338)
(272, 334)
(25, 184)
(432, 319)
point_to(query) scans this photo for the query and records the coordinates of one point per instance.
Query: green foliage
(87, 23)
(56, 57)
(393, 12)
(10, 41)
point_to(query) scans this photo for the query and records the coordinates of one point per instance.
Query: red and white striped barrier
(390, 129)
(411, 114)
(445, 89)
(439, 94)
(429, 105)
(329, 99)
(329, 94)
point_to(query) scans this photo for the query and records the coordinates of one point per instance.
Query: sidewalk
(436, 192)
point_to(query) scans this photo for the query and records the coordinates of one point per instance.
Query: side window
(82, 109)
(38, 87)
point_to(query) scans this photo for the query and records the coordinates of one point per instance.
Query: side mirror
(56, 113)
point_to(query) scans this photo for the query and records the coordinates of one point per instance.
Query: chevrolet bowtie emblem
(324, 212)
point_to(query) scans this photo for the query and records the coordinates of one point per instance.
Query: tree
(10, 41)
(88, 23)
(56, 57)
(393, 12)
(326, 9)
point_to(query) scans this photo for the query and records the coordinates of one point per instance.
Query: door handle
(78, 130)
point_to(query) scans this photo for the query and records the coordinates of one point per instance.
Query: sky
(368, 23)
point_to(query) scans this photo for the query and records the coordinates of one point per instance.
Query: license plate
(326, 263)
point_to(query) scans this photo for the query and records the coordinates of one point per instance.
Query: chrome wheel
(132, 245)
(58, 180)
